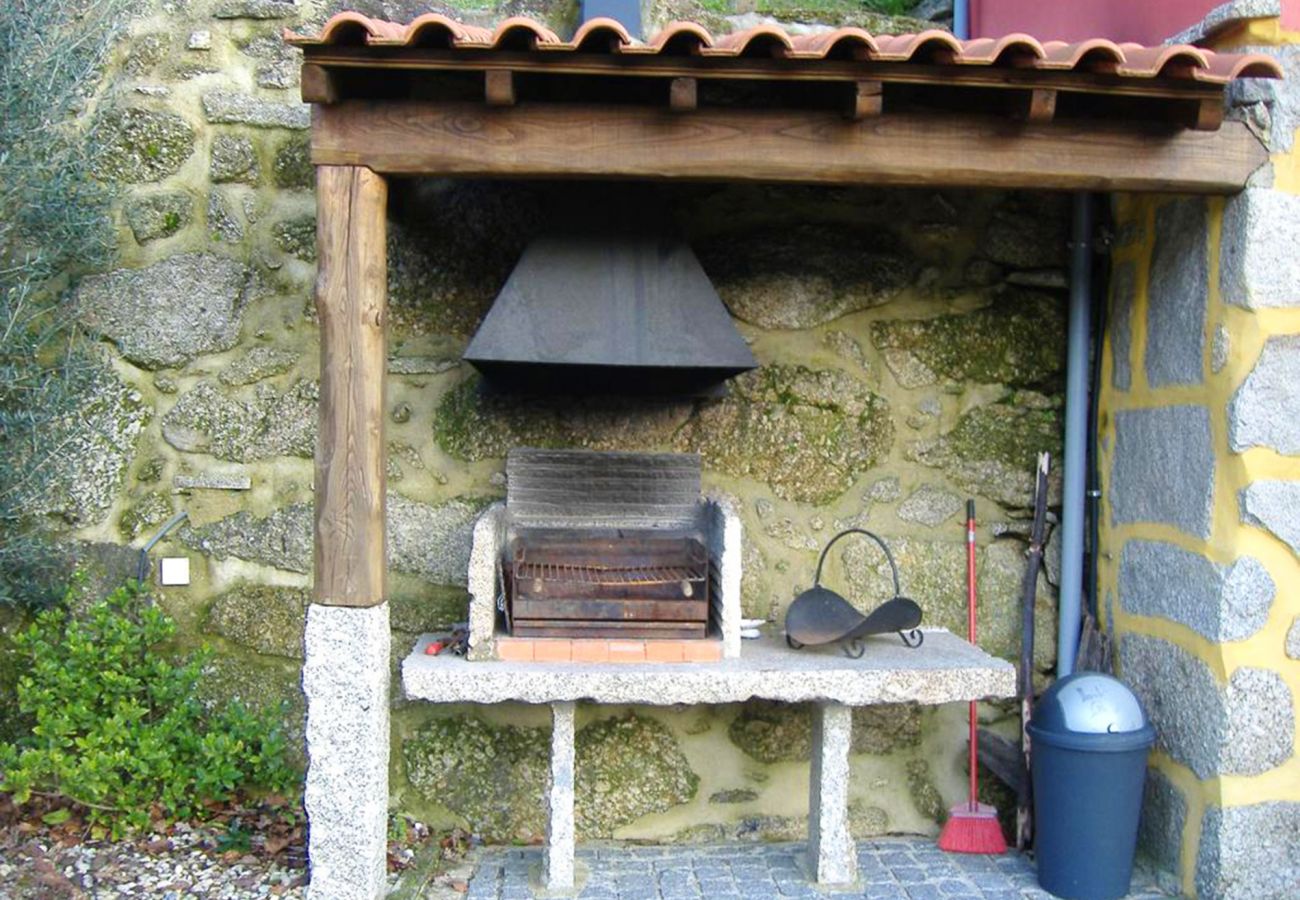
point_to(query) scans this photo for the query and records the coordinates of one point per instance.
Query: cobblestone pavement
(889, 869)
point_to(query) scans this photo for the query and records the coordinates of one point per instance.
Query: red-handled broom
(972, 827)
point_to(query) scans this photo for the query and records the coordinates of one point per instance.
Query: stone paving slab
(888, 869)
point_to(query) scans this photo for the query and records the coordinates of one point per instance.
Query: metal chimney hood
(618, 311)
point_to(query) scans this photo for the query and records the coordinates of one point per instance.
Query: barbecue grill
(625, 585)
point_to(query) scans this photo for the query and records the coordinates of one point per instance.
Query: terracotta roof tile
(934, 46)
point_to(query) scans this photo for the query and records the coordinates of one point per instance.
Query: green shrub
(54, 218)
(115, 726)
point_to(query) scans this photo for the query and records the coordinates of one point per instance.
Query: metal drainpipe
(1076, 434)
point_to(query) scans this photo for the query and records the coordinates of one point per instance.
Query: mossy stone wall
(910, 350)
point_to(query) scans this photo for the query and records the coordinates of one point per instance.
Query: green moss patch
(493, 776)
(780, 732)
(137, 145)
(807, 433)
(1019, 341)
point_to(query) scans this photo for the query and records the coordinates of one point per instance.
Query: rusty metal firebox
(606, 545)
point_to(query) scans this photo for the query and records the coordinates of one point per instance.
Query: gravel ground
(173, 868)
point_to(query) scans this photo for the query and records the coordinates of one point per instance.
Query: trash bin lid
(1089, 703)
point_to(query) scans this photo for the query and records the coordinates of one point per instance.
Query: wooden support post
(499, 87)
(868, 100)
(318, 84)
(683, 95)
(351, 287)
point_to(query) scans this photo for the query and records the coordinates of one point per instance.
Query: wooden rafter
(956, 77)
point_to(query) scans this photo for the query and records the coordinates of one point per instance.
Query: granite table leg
(557, 870)
(832, 857)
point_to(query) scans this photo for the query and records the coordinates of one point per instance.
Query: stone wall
(1200, 536)
(911, 350)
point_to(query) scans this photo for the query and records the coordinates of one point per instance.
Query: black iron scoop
(821, 616)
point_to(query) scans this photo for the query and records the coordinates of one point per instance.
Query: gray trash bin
(1090, 739)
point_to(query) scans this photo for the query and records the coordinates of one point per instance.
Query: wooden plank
(868, 100)
(413, 137)
(351, 286)
(656, 66)
(499, 88)
(318, 84)
(682, 95)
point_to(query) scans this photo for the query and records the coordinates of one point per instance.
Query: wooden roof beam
(821, 147)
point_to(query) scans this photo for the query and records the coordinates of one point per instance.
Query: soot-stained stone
(154, 216)
(1249, 852)
(1018, 341)
(245, 425)
(992, 450)
(1265, 411)
(805, 275)
(137, 145)
(1243, 728)
(170, 312)
(1027, 232)
(451, 247)
(1221, 603)
(1163, 469)
(1178, 294)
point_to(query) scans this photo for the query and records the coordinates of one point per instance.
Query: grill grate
(596, 574)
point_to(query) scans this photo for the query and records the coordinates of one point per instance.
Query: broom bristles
(972, 829)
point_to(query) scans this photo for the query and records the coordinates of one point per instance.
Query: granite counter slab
(945, 669)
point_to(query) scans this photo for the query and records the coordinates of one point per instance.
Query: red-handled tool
(972, 827)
